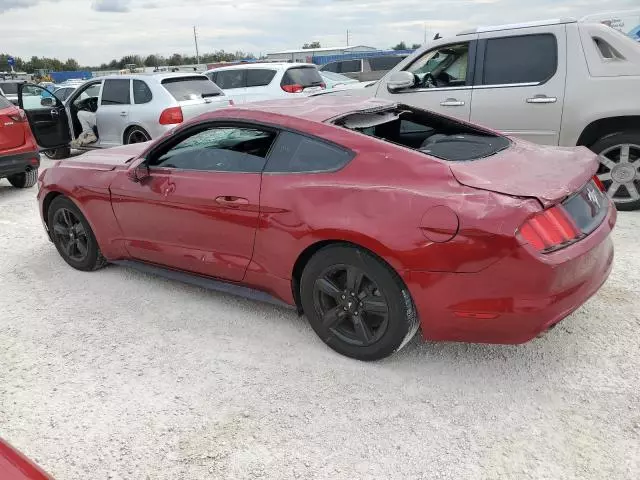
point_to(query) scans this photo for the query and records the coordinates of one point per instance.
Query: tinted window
(297, 153)
(9, 88)
(141, 92)
(259, 77)
(220, 149)
(63, 93)
(116, 92)
(331, 67)
(4, 103)
(529, 58)
(305, 76)
(384, 63)
(230, 79)
(191, 88)
(350, 66)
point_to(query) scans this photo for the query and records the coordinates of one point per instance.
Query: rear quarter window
(191, 88)
(9, 88)
(258, 77)
(295, 153)
(4, 103)
(141, 92)
(227, 79)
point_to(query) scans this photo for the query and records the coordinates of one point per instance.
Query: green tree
(415, 46)
(400, 46)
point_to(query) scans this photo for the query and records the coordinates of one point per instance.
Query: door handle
(54, 112)
(452, 102)
(542, 99)
(170, 188)
(123, 114)
(232, 202)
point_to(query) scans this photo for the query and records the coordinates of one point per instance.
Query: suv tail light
(295, 88)
(549, 230)
(18, 117)
(171, 116)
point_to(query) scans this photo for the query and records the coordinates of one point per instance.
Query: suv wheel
(58, 153)
(24, 180)
(356, 303)
(136, 135)
(619, 168)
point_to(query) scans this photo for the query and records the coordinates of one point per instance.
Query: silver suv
(129, 109)
(364, 69)
(561, 82)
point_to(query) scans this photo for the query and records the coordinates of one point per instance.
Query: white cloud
(92, 33)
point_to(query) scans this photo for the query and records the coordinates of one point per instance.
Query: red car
(374, 219)
(19, 157)
(15, 466)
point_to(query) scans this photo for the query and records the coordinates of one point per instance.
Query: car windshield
(191, 88)
(426, 132)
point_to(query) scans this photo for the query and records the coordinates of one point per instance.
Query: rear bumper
(12, 163)
(517, 298)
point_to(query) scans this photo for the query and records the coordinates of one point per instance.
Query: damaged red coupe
(372, 218)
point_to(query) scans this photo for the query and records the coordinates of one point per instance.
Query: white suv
(252, 82)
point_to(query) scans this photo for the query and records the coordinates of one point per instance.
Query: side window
(116, 92)
(259, 77)
(350, 66)
(378, 64)
(92, 91)
(63, 93)
(294, 153)
(212, 76)
(331, 67)
(523, 59)
(141, 92)
(230, 79)
(219, 149)
(444, 67)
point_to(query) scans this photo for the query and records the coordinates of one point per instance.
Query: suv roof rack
(513, 26)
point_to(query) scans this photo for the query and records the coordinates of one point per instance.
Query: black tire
(24, 180)
(92, 258)
(136, 135)
(385, 333)
(621, 181)
(58, 153)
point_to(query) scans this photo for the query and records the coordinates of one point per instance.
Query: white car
(253, 82)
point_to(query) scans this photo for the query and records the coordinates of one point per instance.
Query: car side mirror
(138, 173)
(47, 102)
(400, 81)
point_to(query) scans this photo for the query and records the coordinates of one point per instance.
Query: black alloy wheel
(137, 135)
(70, 234)
(351, 305)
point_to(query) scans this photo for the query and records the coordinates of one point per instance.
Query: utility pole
(195, 39)
(347, 38)
(425, 35)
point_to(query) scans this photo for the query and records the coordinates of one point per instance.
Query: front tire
(619, 168)
(356, 303)
(73, 237)
(58, 153)
(24, 180)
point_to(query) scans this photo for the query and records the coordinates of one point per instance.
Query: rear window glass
(384, 63)
(297, 153)
(304, 76)
(523, 59)
(257, 77)
(4, 103)
(9, 88)
(191, 88)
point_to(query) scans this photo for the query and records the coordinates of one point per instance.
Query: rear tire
(619, 168)
(58, 153)
(136, 135)
(356, 303)
(24, 180)
(73, 237)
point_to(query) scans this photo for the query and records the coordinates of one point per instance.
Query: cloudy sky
(95, 31)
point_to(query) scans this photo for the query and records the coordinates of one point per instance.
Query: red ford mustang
(374, 219)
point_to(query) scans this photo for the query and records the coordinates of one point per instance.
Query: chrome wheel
(620, 172)
(137, 136)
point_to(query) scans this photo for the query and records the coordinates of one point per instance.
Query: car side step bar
(203, 282)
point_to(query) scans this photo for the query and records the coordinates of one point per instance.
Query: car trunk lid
(549, 174)
(196, 95)
(12, 131)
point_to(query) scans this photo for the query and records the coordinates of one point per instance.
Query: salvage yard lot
(117, 374)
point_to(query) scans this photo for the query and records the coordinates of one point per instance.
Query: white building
(305, 54)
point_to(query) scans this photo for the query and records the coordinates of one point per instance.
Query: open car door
(47, 116)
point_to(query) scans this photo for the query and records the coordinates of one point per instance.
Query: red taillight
(18, 117)
(549, 230)
(293, 88)
(598, 183)
(171, 116)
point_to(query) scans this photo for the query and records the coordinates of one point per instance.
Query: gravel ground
(117, 374)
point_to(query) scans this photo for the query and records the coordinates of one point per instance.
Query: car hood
(549, 174)
(108, 158)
